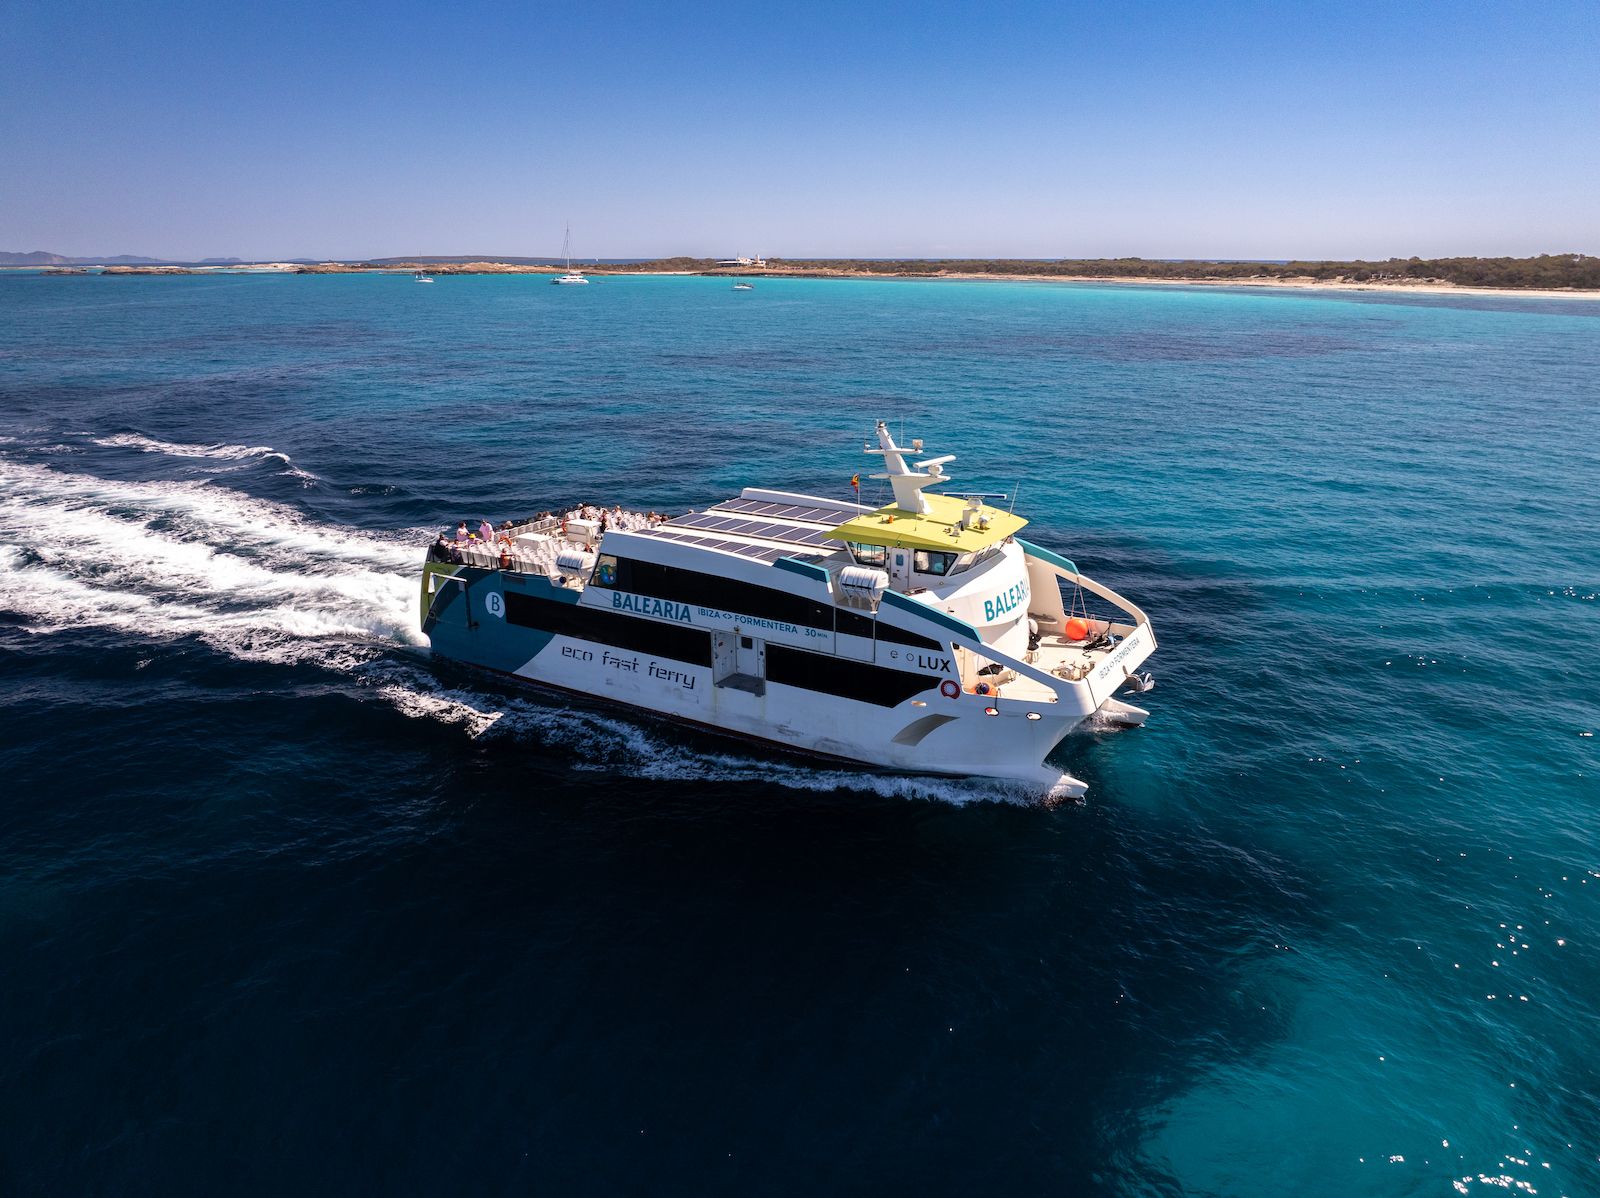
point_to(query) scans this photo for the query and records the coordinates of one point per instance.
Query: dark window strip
(678, 585)
(689, 645)
(843, 677)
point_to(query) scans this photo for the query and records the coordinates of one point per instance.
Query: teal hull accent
(463, 622)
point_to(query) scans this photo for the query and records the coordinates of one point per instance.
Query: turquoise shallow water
(285, 903)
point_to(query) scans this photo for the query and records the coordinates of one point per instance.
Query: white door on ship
(752, 655)
(899, 569)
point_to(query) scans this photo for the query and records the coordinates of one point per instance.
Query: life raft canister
(949, 689)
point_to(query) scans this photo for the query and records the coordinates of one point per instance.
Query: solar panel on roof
(752, 528)
(764, 553)
(810, 513)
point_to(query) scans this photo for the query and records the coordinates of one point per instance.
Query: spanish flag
(855, 481)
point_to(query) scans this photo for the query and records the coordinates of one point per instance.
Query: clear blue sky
(1251, 130)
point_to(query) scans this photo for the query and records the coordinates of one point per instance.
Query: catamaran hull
(926, 730)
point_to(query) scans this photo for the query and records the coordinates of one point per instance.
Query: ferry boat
(925, 636)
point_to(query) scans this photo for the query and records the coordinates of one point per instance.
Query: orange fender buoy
(1076, 629)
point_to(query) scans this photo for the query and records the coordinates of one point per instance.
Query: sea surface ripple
(286, 905)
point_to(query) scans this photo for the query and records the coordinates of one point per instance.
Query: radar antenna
(908, 480)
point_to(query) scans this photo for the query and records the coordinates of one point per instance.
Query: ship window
(605, 571)
(853, 624)
(868, 555)
(840, 676)
(678, 585)
(605, 627)
(934, 562)
(967, 560)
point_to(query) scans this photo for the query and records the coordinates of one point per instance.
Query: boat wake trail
(262, 582)
(162, 560)
(229, 453)
(220, 453)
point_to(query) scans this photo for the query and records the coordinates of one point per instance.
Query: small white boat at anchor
(572, 276)
(925, 636)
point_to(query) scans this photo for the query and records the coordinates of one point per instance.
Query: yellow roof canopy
(894, 527)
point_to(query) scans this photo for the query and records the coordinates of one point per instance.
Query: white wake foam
(169, 559)
(178, 450)
(217, 452)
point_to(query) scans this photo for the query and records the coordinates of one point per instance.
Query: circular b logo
(495, 604)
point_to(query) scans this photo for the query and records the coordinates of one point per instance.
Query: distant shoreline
(775, 271)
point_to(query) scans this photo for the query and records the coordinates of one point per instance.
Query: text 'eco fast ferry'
(924, 636)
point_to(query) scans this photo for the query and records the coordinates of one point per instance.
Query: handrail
(1057, 564)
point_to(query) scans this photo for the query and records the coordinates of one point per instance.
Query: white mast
(906, 480)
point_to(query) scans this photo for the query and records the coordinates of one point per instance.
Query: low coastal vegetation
(1551, 272)
(1547, 271)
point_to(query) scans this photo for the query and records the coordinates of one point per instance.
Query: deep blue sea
(286, 907)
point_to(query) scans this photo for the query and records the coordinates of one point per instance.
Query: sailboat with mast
(572, 276)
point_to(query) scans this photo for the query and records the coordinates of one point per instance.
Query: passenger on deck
(486, 531)
(440, 550)
(461, 532)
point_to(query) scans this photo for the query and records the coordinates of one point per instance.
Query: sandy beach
(1300, 284)
(1295, 283)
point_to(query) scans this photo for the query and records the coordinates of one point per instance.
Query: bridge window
(868, 555)
(967, 560)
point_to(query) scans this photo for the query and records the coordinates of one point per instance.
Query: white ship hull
(923, 636)
(896, 689)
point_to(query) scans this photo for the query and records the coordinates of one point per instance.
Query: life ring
(949, 689)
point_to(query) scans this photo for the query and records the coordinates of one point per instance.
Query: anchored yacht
(925, 636)
(572, 276)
